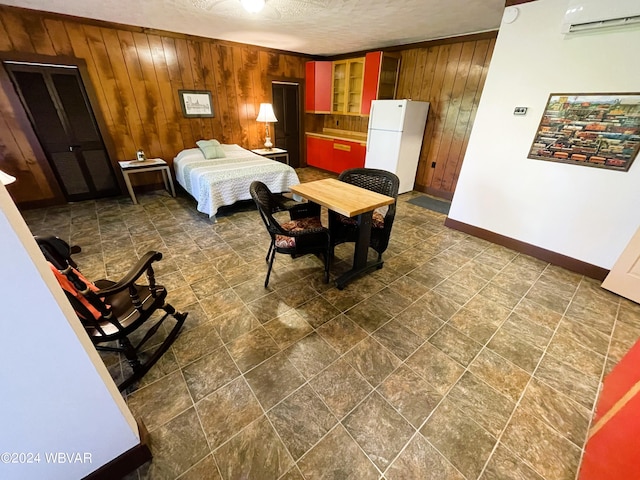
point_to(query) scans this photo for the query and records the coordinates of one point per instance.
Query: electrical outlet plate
(520, 111)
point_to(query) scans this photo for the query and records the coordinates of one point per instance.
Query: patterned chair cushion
(376, 222)
(299, 225)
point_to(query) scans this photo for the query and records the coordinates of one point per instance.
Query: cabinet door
(318, 87)
(380, 79)
(347, 155)
(371, 76)
(354, 88)
(339, 87)
(346, 90)
(320, 153)
(388, 81)
(358, 154)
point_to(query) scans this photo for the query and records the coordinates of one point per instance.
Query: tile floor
(459, 359)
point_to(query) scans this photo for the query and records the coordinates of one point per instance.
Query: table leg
(360, 264)
(127, 182)
(170, 180)
(164, 179)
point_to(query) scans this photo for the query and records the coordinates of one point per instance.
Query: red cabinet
(348, 155)
(318, 87)
(346, 87)
(380, 78)
(334, 155)
(320, 152)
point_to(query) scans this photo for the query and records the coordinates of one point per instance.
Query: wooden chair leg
(130, 353)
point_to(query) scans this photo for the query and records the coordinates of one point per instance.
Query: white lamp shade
(266, 113)
(6, 179)
(253, 6)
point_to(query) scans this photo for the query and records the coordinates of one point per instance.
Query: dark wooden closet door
(286, 106)
(57, 105)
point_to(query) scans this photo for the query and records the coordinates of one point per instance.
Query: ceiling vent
(583, 15)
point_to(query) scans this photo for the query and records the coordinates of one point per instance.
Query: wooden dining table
(350, 201)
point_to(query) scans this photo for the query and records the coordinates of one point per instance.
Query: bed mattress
(217, 182)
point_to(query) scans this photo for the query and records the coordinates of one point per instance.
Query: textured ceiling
(316, 27)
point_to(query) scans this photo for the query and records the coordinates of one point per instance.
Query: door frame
(620, 280)
(300, 82)
(25, 124)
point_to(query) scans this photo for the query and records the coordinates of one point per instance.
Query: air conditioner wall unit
(584, 15)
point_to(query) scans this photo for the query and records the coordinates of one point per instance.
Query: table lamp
(266, 115)
(6, 179)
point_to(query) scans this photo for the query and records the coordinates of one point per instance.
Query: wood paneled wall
(450, 76)
(347, 122)
(135, 76)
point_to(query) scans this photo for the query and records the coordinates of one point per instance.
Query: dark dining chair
(112, 311)
(345, 229)
(301, 235)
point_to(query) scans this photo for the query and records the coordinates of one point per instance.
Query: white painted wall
(585, 213)
(56, 394)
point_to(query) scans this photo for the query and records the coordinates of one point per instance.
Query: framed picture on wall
(196, 103)
(595, 130)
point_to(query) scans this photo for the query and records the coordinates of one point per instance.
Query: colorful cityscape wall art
(596, 130)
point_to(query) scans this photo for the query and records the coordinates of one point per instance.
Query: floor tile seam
(341, 356)
(424, 422)
(578, 368)
(218, 388)
(265, 413)
(403, 447)
(404, 362)
(273, 427)
(447, 324)
(408, 442)
(422, 342)
(155, 429)
(609, 336)
(180, 367)
(577, 319)
(467, 370)
(373, 388)
(601, 295)
(627, 323)
(595, 403)
(255, 397)
(512, 311)
(191, 362)
(213, 451)
(380, 472)
(555, 332)
(204, 432)
(519, 401)
(470, 418)
(530, 375)
(294, 468)
(478, 293)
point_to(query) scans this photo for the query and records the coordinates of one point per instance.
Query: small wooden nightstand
(273, 153)
(130, 167)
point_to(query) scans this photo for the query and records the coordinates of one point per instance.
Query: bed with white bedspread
(217, 182)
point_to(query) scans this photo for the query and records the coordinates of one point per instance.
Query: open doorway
(286, 106)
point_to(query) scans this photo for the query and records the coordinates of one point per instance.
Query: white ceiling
(315, 27)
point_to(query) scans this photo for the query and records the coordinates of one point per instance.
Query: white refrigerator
(396, 130)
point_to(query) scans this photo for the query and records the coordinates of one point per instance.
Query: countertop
(336, 134)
